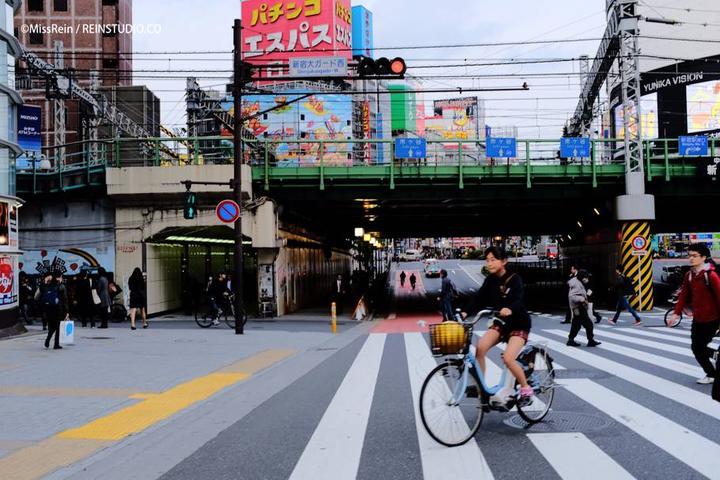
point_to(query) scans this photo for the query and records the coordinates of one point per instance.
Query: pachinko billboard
(310, 120)
(276, 30)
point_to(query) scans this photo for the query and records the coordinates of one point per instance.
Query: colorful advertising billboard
(649, 113)
(319, 117)
(276, 30)
(703, 107)
(362, 31)
(29, 124)
(455, 119)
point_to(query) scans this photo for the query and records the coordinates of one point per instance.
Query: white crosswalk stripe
(669, 335)
(666, 434)
(587, 462)
(335, 447)
(667, 363)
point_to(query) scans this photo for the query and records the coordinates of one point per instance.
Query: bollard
(333, 321)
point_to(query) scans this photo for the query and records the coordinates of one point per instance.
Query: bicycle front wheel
(450, 416)
(542, 380)
(668, 315)
(230, 319)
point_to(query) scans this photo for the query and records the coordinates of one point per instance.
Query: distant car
(432, 269)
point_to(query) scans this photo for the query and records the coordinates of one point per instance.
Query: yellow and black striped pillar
(637, 261)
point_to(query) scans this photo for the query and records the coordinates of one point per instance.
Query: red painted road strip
(407, 323)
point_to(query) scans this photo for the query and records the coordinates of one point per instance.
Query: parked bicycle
(206, 316)
(455, 396)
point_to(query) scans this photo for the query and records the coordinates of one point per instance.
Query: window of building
(36, 5)
(109, 2)
(60, 5)
(37, 38)
(110, 63)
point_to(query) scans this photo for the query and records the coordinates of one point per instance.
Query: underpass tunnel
(180, 261)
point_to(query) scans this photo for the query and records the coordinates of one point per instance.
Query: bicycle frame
(469, 360)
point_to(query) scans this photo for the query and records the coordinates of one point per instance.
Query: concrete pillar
(636, 211)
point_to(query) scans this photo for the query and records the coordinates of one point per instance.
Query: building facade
(9, 150)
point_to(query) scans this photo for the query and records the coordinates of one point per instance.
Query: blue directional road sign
(410, 148)
(502, 147)
(695, 145)
(574, 147)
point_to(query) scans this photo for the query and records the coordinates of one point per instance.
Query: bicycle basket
(450, 338)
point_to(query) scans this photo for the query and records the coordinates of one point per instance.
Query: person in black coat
(54, 303)
(85, 304)
(339, 291)
(138, 297)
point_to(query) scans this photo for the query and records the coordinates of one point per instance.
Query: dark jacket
(217, 289)
(506, 292)
(59, 310)
(447, 290)
(101, 286)
(701, 291)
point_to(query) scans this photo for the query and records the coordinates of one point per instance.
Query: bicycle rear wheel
(451, 421)
(542, 380)
(204, 317)
(668, 314)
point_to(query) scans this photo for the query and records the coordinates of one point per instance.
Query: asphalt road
(627, 409)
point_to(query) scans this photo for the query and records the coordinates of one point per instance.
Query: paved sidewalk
(61, 406)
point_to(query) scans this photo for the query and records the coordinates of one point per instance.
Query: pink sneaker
(526, 392)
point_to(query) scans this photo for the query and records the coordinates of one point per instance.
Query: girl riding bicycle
(503, 291)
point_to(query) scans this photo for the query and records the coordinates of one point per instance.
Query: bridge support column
(636, 212)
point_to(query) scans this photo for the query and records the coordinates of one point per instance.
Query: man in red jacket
(701, 291)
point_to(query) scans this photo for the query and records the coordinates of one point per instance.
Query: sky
(188, 25)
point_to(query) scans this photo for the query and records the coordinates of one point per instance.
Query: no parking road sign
(639, 243)
(227, 211)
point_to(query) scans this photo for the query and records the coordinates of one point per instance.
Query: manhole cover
(563, 422)
(98, 338)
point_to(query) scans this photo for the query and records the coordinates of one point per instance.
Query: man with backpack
(54, 303)
(448, 292)
(701, 291)
(624, 289)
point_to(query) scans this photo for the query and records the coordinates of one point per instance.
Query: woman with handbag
(138, 298)
(86, 300)
(103, 293)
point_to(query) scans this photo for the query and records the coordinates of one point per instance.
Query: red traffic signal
(367, 67)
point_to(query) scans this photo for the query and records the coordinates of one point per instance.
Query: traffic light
(247, 70)
(367, 67)
(190, 210)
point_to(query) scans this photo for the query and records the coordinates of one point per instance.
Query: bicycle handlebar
(494, 314)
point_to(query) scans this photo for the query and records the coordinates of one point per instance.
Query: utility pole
(237, 285)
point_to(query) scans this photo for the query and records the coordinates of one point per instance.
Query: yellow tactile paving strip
(150, 411)
(73, 445)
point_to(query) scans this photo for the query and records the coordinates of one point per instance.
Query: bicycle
(455, 396)
(668, 314)
(206, 316)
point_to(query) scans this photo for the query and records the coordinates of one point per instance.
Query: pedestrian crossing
(627, 409)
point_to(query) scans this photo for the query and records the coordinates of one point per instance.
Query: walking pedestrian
(103, 292)
(701, 291)
(338, 294)
(138, 297)
(26, 298)
(624, 289)
(54, 303)
(568, 312)
(85, 304)
(402, 279)
(448, 292)
(413, 281)
(578, 301)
